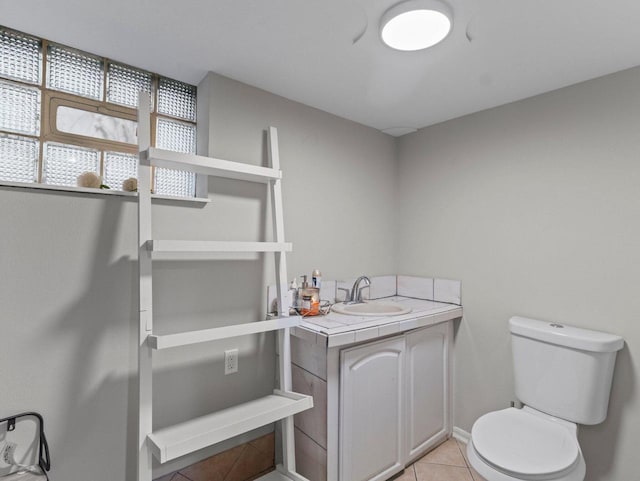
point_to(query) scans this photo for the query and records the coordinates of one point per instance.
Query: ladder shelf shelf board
(210, 166)
(185, 246)
(194, 337)
(190, 436)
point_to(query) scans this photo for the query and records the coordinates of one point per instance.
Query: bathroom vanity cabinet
(382, 393)
(372, 411)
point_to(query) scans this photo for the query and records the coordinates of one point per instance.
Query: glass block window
(179, 137)
(118, 167)
(64, 163)
(176, 136)
(175, 183)
(90, 121)
(74, 72)
(125, 83)
(19, 108)
(177, 99)
(20, 57)
(18, 158)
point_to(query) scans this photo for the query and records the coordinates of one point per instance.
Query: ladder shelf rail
(210, 166)
(205, 335)
(186, 246)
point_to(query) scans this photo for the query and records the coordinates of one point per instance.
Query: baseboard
(461, 435)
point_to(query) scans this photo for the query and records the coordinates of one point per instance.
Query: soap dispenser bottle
(310, 299)
(293, 296)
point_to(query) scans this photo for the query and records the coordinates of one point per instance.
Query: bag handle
(44, 459)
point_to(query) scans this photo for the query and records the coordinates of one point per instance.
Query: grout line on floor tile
(464, 457)
(412, 470)
(470, 473)
(178, 473)
(226, 475)
(266, 471)
(444, 464)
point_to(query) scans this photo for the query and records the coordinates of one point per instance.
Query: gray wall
(69, 280)
(535, 206)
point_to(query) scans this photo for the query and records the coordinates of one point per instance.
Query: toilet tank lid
(563, 335)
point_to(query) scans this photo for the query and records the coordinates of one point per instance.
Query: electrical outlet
(230, 361)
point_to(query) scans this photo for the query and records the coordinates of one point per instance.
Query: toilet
(563, 377)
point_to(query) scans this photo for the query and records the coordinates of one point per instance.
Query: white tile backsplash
(328, 291)
(446, 290)
(438, 290)
(348, 284)
(382, 286)
(416, 287)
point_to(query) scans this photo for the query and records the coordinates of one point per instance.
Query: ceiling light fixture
(416, 24)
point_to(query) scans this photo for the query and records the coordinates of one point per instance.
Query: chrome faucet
(354, 295)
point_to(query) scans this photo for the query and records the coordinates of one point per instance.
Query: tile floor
(242, 463)
(447, 462)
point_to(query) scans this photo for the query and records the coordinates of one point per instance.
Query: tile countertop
(340, 329)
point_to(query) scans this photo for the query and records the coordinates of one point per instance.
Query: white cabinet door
(428, 388)
(372, 384)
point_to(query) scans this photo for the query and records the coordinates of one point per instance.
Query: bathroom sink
(371, 309)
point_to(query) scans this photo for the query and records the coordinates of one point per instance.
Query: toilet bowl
(563, 376)
(525, 444)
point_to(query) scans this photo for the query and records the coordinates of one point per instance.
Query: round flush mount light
(416, 24)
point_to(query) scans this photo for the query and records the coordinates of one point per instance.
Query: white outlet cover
(230, 361)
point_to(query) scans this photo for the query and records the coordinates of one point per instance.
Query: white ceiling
(306, 50)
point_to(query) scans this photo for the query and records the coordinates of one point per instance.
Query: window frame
(51, 100)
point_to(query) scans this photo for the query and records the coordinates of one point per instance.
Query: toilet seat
(525, 444)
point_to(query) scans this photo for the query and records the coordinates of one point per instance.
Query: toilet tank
(563, 371)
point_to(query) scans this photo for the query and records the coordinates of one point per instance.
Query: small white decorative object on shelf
(89, 179)
(130, 185)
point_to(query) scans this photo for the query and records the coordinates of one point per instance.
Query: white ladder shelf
(184, 438)
(216, 246)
